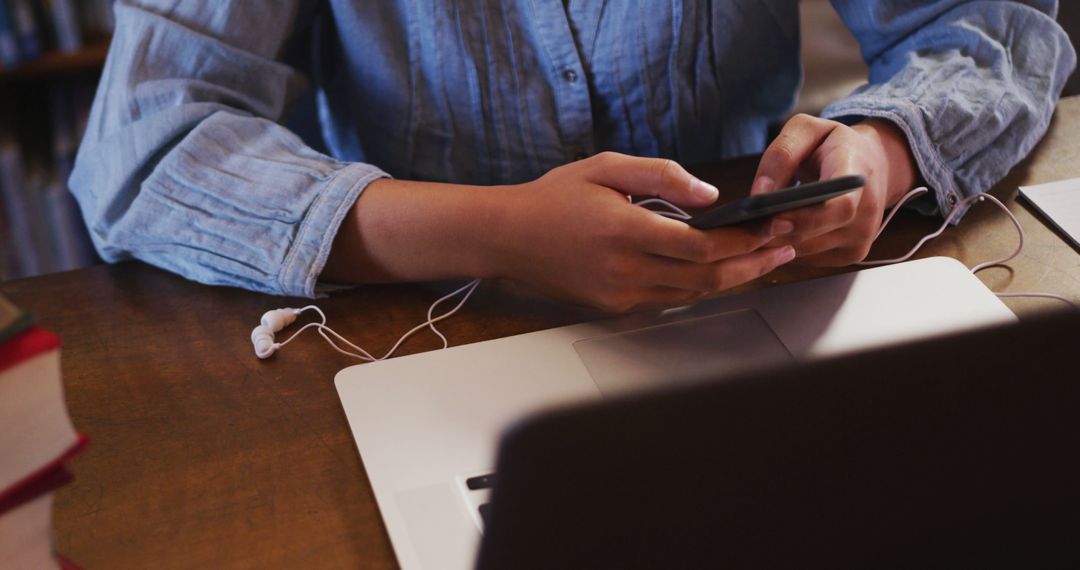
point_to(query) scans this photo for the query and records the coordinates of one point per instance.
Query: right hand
(574, 235)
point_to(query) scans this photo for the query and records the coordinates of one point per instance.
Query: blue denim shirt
(185, 164)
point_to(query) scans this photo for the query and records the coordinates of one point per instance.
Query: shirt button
(570, 75)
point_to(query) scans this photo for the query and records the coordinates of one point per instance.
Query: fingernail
(704, 190)
(762, 185)
(781, 227)
(787, 253)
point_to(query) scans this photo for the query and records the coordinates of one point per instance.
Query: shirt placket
(569, 82)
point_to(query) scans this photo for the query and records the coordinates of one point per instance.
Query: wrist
(504, 239)
(902, 170)
(489, 226)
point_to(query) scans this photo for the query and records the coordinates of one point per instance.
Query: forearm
(418, 231)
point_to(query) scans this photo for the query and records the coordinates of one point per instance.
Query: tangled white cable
(980, 197)
(272, 322)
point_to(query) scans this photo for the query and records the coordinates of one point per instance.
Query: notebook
(427, 425)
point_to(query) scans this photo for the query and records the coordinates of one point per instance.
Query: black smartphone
(765, 205)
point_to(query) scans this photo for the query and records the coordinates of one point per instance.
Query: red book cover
(36, 434)
(66, 564)
(41, 479)
(46, 482)
(28, 344)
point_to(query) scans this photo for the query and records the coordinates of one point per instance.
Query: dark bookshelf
(42, 101)
(56, 64)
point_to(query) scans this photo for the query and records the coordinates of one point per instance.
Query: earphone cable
(326, 332)
(952, 215)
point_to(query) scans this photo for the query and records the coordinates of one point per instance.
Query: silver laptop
(427, 425)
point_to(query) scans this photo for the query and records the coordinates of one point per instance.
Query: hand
(840, 231)
(574, 235)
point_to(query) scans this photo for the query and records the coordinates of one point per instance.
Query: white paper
(1059, 203)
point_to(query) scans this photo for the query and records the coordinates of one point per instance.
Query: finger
(834, 249)
(823, 218)
(833, 257)
(657, 177)
(798, 140)
(745, 268)
(816, 246)
(717, 276)
(674, 239)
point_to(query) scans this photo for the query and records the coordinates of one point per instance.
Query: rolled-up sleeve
(184, 164)
(973, 84)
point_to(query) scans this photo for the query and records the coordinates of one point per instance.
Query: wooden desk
(204, 456)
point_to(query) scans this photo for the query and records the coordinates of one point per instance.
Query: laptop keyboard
(478, 482)
(476, 490)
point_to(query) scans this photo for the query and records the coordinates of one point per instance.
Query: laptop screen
(955, 451)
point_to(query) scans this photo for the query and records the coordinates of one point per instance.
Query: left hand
(840, 231)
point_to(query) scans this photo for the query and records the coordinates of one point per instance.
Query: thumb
(796, 143)
(659, 177)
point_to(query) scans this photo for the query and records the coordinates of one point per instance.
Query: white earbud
(262, 336)
(277, 319)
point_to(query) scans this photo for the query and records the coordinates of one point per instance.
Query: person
(501, 139)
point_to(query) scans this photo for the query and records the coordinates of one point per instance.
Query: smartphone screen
(764, 205)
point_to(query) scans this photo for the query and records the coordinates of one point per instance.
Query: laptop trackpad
(686, 351)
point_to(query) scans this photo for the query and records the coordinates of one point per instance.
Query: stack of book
(37, 439)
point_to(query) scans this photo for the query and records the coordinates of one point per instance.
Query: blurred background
(51, 54)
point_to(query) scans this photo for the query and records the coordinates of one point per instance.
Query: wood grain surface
(204, 456)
